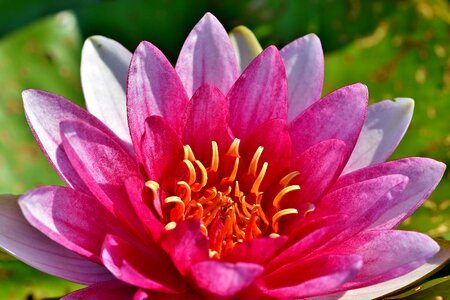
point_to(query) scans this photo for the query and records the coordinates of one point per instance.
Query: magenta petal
(104, 165)
(424, 174)
(154, 88)
(65, 216)
(221, 280)
(161, 149)
(313, 277)
(387, 254)
(26, 243)
(303, 59)
(111, 290)
(186, 245)
(319, 167)
(45, 112)
(260, 94)
(258, 251)
(207, 56)
(140, 266)
(207, 120)
(339, 115)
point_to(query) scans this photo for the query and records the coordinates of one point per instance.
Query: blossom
(219, 180)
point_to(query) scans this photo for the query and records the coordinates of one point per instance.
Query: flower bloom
(219, 180)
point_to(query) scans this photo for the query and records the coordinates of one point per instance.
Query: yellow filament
(203, 229)
(274, 235)
(170, 226)
(259, 179)
(280, 195)
(191, 170)
(188, 154)
(213, 254)
(153, 186)
(254, 163)
(215, 157)
(187, 189)
(177, 200)
(204, 176)
(235, 170)
(234, 148)
(281, 213)
(286, 179)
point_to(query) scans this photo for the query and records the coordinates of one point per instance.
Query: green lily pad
(44, 55)
(408, 56)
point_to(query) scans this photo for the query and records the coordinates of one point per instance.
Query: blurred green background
(397, 48)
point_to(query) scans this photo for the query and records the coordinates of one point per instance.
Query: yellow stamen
(188, 154)
(215, 157)
(234, 148)
(259, 179)
(187, 191)
(204, 178)
(235, 170)
(280, 195)
(254, 163)
(274, 235)
(170, 226)
(286, 179)
(281, 213)
(191, 171)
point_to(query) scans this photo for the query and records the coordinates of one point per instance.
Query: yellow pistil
(230, 210)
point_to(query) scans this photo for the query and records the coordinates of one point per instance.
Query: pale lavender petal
(104, 70)
(219, 280)
(207, 57)
(386, 123)
(26, 243)
(111, 290)
(303, 59)
(66, 216)
(154, 88)
(424, 174)
(386, 254)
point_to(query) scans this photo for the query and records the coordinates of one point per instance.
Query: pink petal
(104, 165)
(276, 154)
(344, 111)
(383, 288)
(186, 245)
(384, 127)
(260, 94)
(66, 216)
(111, 290)
(26, 243)
(140, 266)
(364, 202)
(154, 88)
(45, 112)
(387, 254)
(161, 149)
(313, 277)
(319, 167)
(221, 280)
(303, 59)
(207, 120)
(424, 174)
(104, 70)
(258, 251)
(207, 56)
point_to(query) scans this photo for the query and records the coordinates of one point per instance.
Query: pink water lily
(219, 180)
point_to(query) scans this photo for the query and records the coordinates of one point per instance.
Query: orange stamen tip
(152, 184)
(281, 213)
(188, 154)
(170, 226)
(274, 235)
(213, 254)
(259, 179)
(282, 193)
(254, 163)
(215, 157)
(234, 148)
(286, 179)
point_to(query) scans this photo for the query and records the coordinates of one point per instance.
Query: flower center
(230, 212)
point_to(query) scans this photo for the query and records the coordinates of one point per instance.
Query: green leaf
(45, 55)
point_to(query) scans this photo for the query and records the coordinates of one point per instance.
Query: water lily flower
(224, 177)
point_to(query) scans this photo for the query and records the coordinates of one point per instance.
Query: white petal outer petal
(408, 280)
(207, 56)
(245, 45)
(304, 62)
(386, 123)
(104, 70)
(29, 245)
